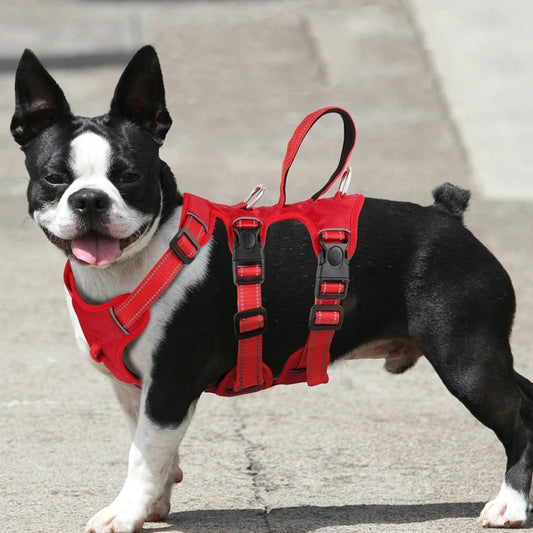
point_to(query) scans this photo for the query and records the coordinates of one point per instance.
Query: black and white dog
(420, 284)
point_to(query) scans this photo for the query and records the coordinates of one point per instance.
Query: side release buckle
(248, 251)
(333, 269)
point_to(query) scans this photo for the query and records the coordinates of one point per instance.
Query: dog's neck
(97, 285)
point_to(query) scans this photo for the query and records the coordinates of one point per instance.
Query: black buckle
(333, 266)
(177, 250)
(316, 308)
(257, 311)
(248, 251)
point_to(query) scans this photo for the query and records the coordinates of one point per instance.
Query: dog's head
(97, 187)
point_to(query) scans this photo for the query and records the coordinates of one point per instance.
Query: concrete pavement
(369, 452)
(486, 77)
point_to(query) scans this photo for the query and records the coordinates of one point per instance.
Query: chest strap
(250, 321)
(182, 250)
(109, 327)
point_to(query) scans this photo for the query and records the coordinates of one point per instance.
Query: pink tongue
(96, 249)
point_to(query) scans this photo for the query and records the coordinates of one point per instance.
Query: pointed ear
(39, 101)
(140, 95)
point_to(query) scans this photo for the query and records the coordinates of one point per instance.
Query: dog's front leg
(151, 465)
(129, 398)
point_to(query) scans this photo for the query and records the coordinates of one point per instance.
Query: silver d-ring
(254, 196)
(345, 181)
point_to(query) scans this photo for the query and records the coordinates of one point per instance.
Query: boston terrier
(419, 284)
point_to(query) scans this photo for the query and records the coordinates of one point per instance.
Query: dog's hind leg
(479, 372)
(460, 307)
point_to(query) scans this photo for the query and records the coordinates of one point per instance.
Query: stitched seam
(163, 260)
(257, 358)
(324, 354)
(310, 358)
(241, 363)
(259, 337)
(140, 287)
(240, 291)
(154, 296)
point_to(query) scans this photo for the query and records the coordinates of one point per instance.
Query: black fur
(44, 132)
(419, 279)
(141, 99)
(452, 199)
(40, 102)
(417, 275)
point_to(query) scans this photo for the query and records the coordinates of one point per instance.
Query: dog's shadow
(312, 518)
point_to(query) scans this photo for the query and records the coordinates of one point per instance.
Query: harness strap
(310, 363)
(183, 249)
(250, 321)
(327, 314)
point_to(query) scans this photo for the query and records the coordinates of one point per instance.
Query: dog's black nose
(89, 202)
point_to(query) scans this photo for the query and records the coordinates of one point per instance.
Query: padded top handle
(296, 141)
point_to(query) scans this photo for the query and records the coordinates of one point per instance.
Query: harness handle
(296, 141)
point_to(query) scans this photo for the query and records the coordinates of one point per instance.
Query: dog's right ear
(140, 95)
(39, 101)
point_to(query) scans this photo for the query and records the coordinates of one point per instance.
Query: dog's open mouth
(95, 248)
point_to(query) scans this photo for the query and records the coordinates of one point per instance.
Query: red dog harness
(332, 226)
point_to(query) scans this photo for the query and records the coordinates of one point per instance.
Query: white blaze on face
(90, 163)
(90, 156)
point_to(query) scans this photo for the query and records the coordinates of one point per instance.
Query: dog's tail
(451, 199)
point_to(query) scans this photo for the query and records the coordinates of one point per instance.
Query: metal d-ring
(255, 196)
(345, 181)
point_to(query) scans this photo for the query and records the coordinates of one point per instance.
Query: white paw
(113, 519)
(508, 509)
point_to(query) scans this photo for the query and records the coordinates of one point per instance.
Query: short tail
(451, 199)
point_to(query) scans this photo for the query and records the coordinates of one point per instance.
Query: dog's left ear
(140, 95)
(39, 101)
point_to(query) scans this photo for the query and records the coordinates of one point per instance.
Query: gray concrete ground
(369, 452)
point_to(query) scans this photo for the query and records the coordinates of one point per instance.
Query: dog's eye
(128, 177)
(56, 179)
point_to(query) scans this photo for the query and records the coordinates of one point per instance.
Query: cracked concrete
(255, 467)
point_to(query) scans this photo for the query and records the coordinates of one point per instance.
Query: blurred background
(439, 90)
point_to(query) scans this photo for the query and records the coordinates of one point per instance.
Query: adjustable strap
(250, 321)
(183, 248)
(326, 316)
